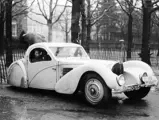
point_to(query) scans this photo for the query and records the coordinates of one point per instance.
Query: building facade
(19, 19)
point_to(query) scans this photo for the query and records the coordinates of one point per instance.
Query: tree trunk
(9, 58)
(130, 37)
(66, 37)
(88, 36)
(66, 30)
(49, 24)
(75, 20)
(158, 45)
(1, 29)
(145, 51)
(84, 32)
(88, 26)
(97, 36)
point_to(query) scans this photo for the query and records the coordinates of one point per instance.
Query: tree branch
(94, 9)
(122, 7)
(43, 14)
(39, 14)
(106, 10)
(60, 13)
(21, 8)
(155, 2)
(22, 12)
(36, 20)
(46, 2)
(44, 7)
(154, 9)
(52, 9)
(16, 2)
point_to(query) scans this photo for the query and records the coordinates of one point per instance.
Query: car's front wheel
(138, 94)
(95, 90)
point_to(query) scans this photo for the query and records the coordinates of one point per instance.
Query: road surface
(33, 104)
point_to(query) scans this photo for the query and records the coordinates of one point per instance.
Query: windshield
(60, 52)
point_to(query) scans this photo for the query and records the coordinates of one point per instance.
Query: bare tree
(148, 7)
(11, 9)
(64, 23)
(92, 16)
(50, 14)
(128, 6)
(20, 7)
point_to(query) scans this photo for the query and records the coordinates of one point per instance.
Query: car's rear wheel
(138, 94)
(96, 92)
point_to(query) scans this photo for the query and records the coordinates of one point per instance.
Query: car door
(42, 70)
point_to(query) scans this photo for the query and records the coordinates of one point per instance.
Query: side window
(39, 54)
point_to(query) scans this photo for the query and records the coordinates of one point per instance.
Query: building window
(14, 28)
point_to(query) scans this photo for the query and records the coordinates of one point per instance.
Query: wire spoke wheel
(96, 91)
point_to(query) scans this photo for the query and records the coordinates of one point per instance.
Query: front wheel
(138, 94)
(95, 90)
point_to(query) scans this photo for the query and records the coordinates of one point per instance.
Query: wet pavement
(33, 104)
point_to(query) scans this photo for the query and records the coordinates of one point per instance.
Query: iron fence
(95, 53)
(17, 54)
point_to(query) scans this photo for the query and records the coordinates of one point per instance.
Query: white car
(67, 69)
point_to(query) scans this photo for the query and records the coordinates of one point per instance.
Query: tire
(138, 94)
(96, 92)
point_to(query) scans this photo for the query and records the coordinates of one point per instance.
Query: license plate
(136, 87)
(132, 88)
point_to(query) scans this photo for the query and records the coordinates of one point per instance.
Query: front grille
(66, 70)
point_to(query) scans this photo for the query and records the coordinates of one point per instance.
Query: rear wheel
(138, 94)
(96, 92)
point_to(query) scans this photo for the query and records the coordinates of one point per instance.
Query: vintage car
(67, 69)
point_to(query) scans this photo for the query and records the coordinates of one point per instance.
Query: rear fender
(17, 75)
(69, 82)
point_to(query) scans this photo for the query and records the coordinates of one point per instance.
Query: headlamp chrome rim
(144, 77)
(120, 80)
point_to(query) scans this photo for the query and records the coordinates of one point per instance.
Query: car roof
(47, 44)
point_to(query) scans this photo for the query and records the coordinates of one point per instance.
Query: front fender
(138, 64)
(68, 83)
(133, 69)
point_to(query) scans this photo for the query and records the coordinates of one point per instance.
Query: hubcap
(94, 90)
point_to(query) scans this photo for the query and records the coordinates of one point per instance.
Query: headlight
(144, 77)
(120, 80)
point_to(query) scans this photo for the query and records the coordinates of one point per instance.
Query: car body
(67, 69)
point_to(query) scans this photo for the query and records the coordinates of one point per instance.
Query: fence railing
(17, 54)
(117, 54)
(95, 53)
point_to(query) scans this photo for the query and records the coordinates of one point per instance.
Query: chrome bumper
(151, 83)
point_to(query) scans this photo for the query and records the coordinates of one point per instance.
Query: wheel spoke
(94, 90)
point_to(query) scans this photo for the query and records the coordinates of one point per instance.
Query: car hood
(108, 63)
